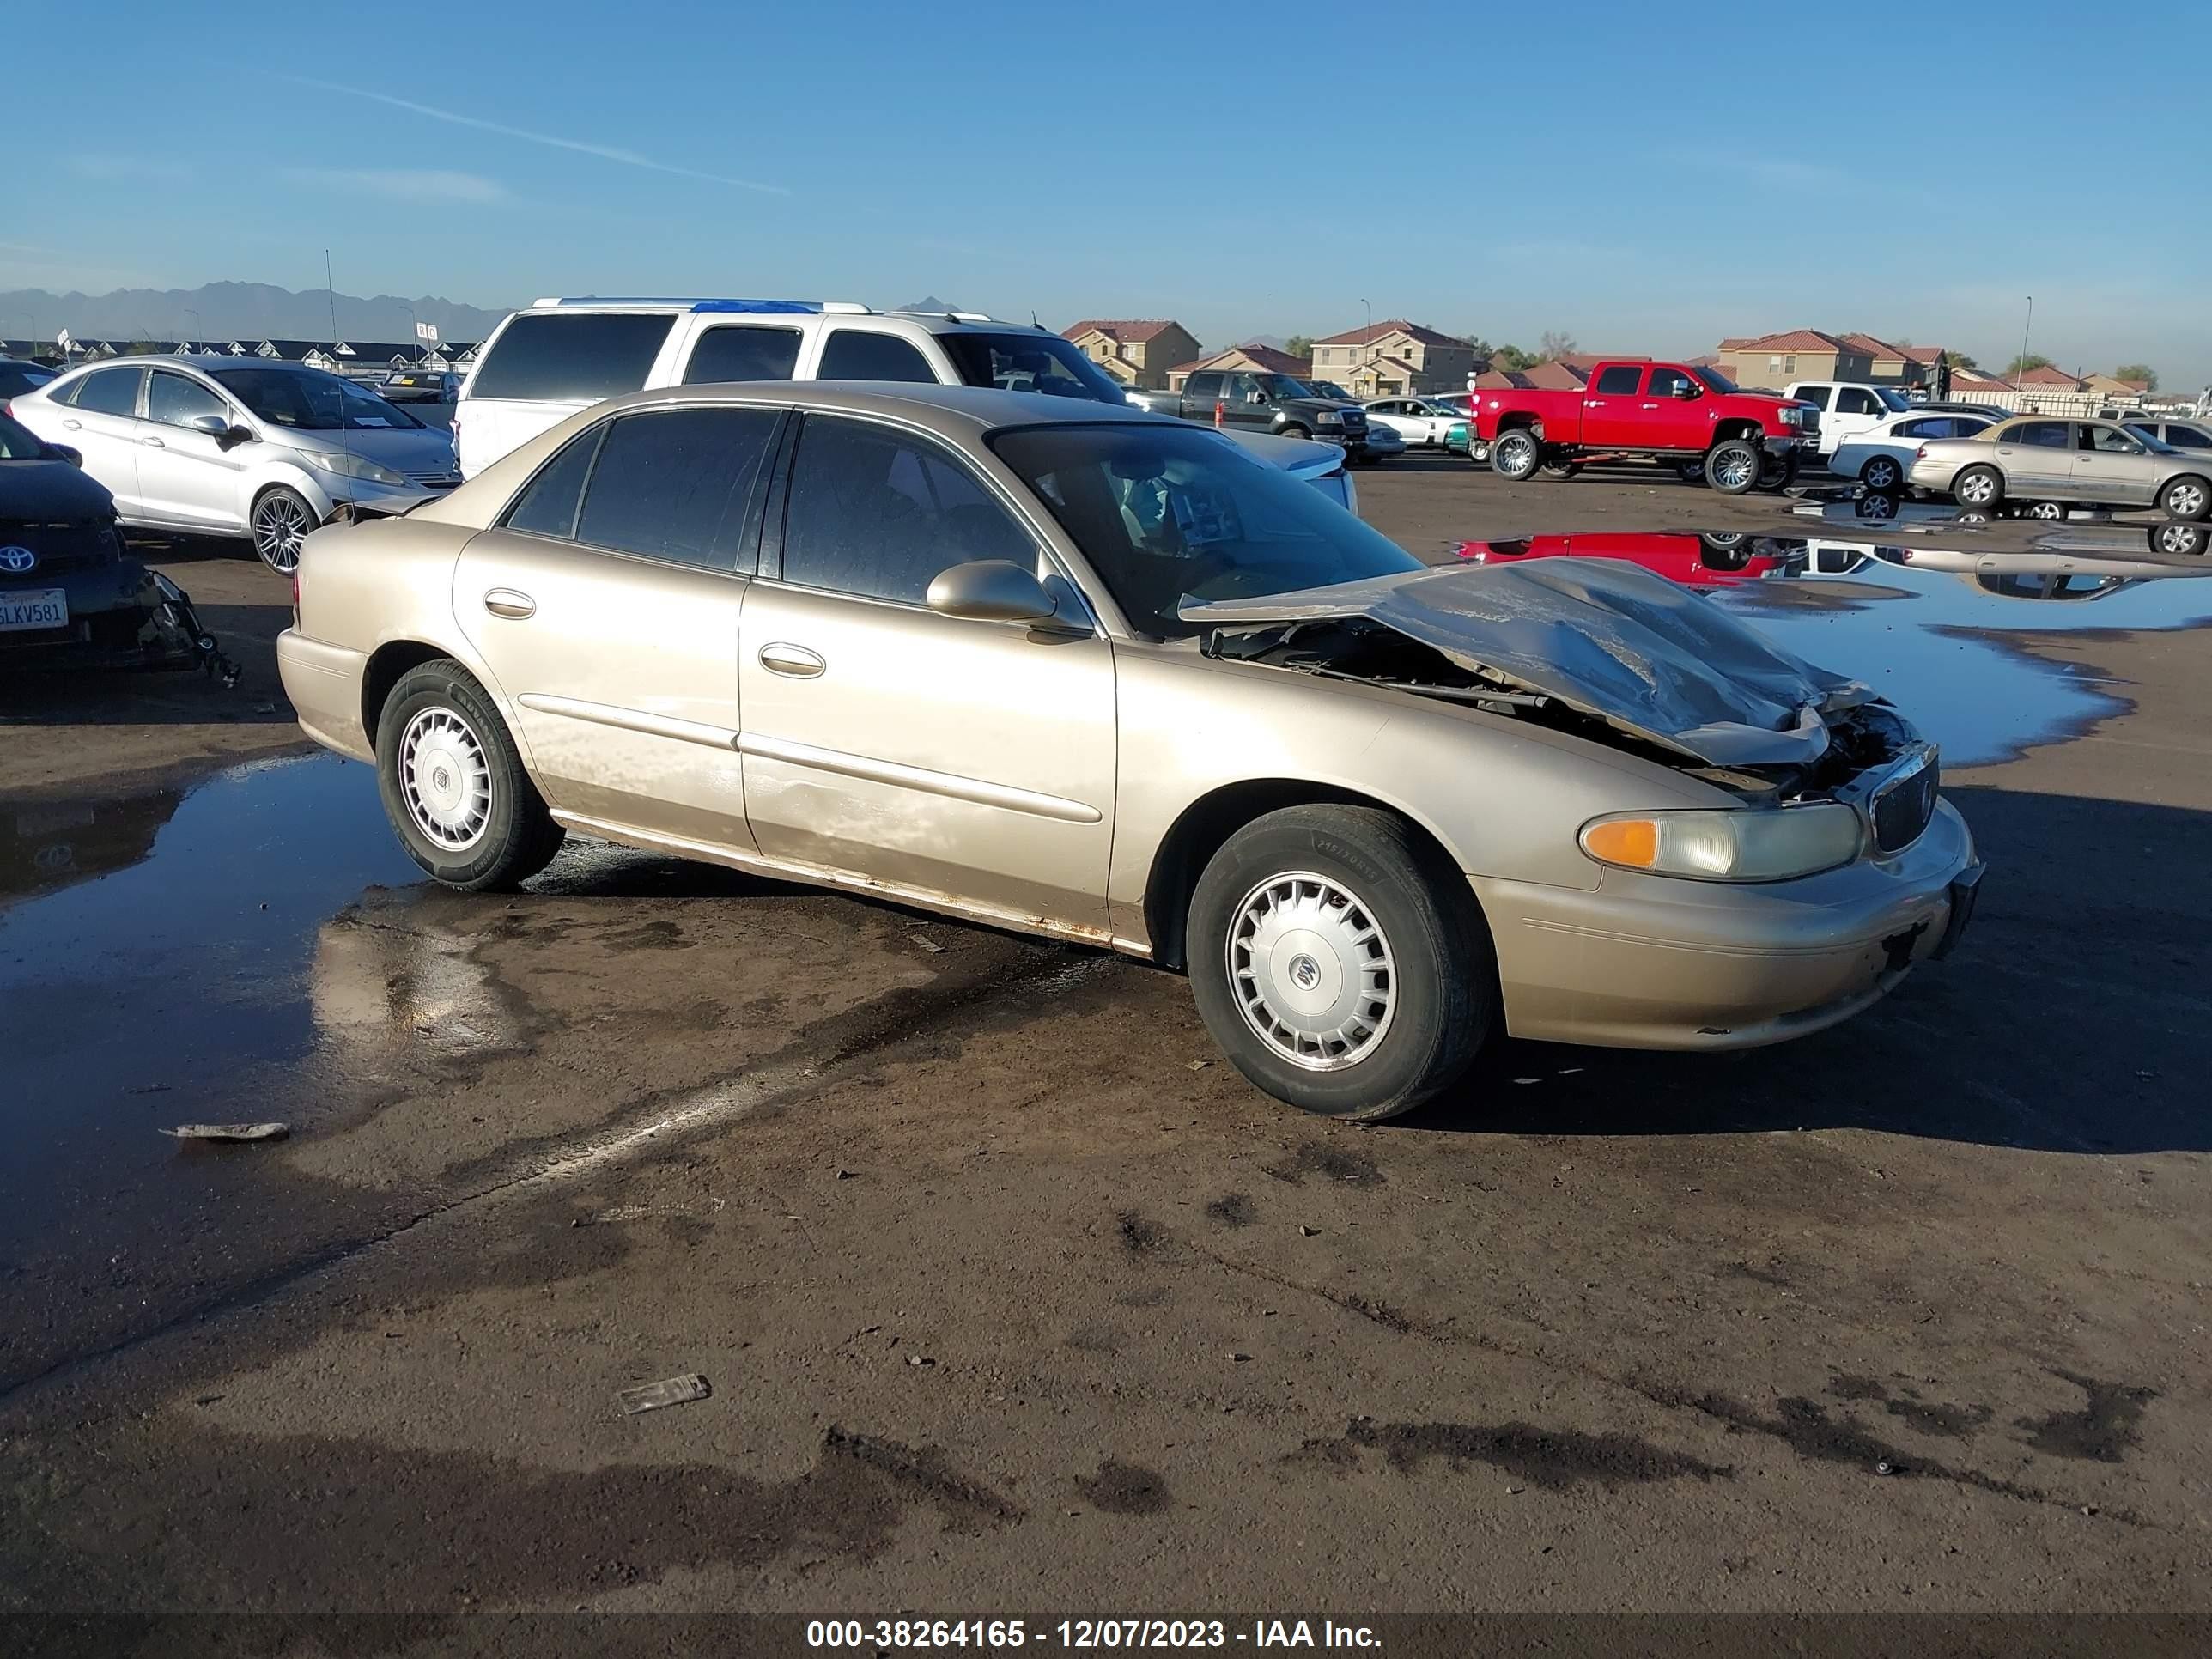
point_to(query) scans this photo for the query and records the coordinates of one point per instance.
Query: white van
(1847, 408)
(545, 362)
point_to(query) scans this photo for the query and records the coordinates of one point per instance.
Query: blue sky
(1641, 176)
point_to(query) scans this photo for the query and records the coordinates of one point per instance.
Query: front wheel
(1515, 454)
(1340, 963)
(1294, 430)
(454, 783)
(1981, 486)
(1733, 466)
(280, 523)
(2186, 499)
(2045, 510)
(1562, 469)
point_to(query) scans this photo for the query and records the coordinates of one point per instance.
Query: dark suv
(68, 593)
(1253, 400)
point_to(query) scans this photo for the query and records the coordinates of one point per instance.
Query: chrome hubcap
(2187, 500)
(1518, 453)
(1977, 489)
(1736, 469)
(279, 528)
(2046, 510)
(446, 779)
(2176, 538)
(1311, 971)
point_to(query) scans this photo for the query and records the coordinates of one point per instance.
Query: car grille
(71, 545)
(1902, 807)
(441, 479)
(1354, 422)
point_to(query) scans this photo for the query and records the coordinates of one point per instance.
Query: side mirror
(1686, 390)
(63, 453)
(216, 426)
(991, 590)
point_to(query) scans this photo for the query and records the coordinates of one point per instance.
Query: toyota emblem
(17, 559)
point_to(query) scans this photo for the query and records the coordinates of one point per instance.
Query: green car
(1456, 437)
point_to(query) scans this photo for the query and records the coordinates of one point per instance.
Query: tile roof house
(1393, 358)
(1266, 359)
(1136, 351)
(1553, 374)
(1796, 354)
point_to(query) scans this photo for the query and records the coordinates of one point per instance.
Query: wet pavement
(999, 1274)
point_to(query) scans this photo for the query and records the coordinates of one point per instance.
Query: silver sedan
(2039, 461)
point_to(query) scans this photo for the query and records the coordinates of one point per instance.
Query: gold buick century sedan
(1097, 674)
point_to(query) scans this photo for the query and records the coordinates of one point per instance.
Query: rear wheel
(1732, 467)
(1339, 963)
(1515, 454)
(2187, 498)
(1688, 471)
(1881, 472)
(280, 522)
(1981, 486)
(1562, 469)
(454, 783)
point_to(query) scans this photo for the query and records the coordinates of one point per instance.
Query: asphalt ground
(1014, 1301)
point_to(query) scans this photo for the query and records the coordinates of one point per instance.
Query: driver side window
(1668, 382)
(174, 399)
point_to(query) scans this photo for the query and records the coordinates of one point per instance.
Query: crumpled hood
(1601, 637)
(403, 449)
(52, 492)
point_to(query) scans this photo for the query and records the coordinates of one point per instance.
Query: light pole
(2024, 327)
(194, 316)
(1371, 315)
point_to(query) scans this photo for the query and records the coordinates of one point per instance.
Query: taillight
(1921, 453)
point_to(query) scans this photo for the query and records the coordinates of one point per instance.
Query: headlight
(355, 466)
(1770, 844)
(1792, 415)
(1329, 418)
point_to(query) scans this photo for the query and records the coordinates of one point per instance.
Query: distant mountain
(930, 302)
(1280, 342)
(231, 310)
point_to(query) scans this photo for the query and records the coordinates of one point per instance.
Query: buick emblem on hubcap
(1305, 973)
(17, 559)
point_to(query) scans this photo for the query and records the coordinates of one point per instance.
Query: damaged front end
(1613, 655)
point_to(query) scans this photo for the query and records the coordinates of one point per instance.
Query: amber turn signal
(1632, 842)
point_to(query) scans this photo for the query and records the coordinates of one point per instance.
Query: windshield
(1282, 385)
(1165, 513)
(18, 442)
(1892, 401)
(308, 400)
(1030, 362)
(1713, 378)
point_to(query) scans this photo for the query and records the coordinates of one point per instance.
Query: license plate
(41, 608)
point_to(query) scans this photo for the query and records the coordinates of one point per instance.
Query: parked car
(421, 386)
(1380, 444)
(1331, 389)
(239, 447)
(1719, 559)
(1679, 412)
(2174, 435)
(1847, 407)
(1074, 669)
(1251, 400)
(18, 376)
(1423, 424)
(543, 364)
(2036, 461)
(1878, 456)
(69, 594)
(1459, 436)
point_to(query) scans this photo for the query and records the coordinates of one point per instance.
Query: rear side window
(2188, 436)
(1815, 395)
(743, 353)
(1202, 386)
(547, 506)
(855, 354)
(2043, 434)
(875, 513)
(674, 483)
(13, 380)
(554, 356)
(110, 390)
(1619, 380)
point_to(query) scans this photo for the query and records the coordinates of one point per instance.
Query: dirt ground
(1013, 1299)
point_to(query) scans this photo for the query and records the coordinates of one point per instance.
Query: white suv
(1847, 407)
(543, 364)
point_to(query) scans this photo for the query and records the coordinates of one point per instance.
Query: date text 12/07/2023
(1084, 1633)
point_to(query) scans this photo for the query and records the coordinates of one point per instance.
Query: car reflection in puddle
(1934, 624)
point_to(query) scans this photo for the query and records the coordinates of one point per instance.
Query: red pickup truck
(1675, 413)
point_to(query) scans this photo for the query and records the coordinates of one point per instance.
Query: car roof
(959, 410)
(199, 361)
(940, 321)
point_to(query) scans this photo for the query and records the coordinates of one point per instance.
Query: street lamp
(1371, 315)
(2018, 373)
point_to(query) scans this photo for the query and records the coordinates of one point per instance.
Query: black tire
(1882, 475)
(515, 837)
(1981, 487)
(1516, 454)
(2179, 539)
(2188, 499)
(280, 521)
(1733, 466)
(1562, 469)
(1441, 981)
(1777, 473)
(1479, 453)
(1293, 430)
(1689, 472)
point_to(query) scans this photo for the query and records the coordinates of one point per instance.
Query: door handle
(505, 602)
(153, 443)
(73, 425)
(793, 661)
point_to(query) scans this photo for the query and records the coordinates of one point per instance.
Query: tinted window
(1030, 362)
(1246, 389)
(1815, 395)
(175, 398)
(854, 354)
(1664, 380)
(2188, 437)
(743, 353)
(1853, 400)
(1207, 386)
(14, 378)
(1621, 378)
(547, 505)
(2043, 434)
(1164, 512)
(876, 512)
(308, 400)
(110, 391)
(19, 443)
(674, 483)
(557, 356)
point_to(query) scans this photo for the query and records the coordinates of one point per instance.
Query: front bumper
(1652, 962)
(148, 624)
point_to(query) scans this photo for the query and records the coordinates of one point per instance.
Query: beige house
(1264, 360)
(1136, 351)
(1799, 354)
(1391, 359)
